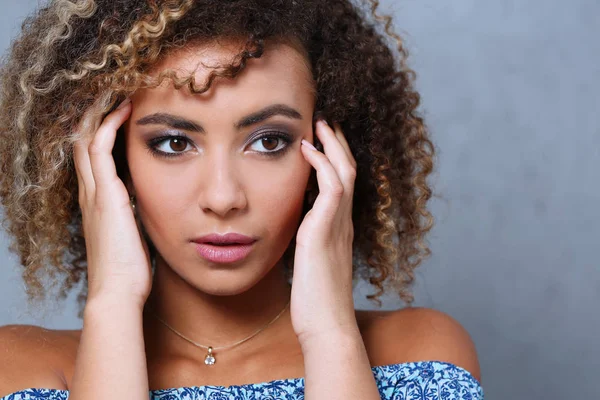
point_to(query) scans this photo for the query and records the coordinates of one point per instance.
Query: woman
(214, 196)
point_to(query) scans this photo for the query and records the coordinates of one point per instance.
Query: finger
(342, 139)
(331, 189)
(337, 155)
(100, 149)
(83, 168)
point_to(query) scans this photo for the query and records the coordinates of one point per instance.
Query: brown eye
(270, 143)
(177, 144)
(170, 146)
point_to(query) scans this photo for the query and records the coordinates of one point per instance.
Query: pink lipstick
(227, 248)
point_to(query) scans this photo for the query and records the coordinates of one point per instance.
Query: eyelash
(153, 144)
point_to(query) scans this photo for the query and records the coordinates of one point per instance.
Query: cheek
(163, 190)
(278, 192)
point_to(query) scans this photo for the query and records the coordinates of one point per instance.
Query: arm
(322, 306)
(337, 367)
(111, 360)
(111, 357)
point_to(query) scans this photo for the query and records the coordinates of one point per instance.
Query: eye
(271, 143)
(171, 145)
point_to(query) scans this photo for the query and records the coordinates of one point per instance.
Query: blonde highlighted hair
(75, 60)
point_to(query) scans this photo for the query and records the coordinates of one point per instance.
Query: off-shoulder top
(431, 380)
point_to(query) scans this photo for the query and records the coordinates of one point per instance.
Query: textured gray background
(511, 92)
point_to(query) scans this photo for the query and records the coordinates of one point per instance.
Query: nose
(221, 191)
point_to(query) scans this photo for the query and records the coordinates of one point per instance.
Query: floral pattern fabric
(424, 380)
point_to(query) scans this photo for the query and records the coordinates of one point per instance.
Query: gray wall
(511, 94)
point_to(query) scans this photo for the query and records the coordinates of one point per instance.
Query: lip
(227, 248)
(228, 238)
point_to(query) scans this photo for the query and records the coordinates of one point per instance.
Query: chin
(226, 281)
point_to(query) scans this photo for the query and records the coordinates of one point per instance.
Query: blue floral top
(427, 380)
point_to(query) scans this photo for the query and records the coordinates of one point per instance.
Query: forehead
(282, 71)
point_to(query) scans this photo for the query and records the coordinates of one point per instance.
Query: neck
(213, 319)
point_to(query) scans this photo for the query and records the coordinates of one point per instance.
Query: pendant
(209, 359)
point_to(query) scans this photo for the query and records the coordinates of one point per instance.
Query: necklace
(210, 356)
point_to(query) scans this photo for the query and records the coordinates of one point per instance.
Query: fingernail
(324, 122)
(124, 103)
(309, 145)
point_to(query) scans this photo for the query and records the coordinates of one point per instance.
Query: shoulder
(417, 334)
(33, 357)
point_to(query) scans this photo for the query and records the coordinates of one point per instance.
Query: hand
(321, 299)
(117, 255)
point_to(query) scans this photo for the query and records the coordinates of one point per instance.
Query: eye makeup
(153, 144)
(284, 140)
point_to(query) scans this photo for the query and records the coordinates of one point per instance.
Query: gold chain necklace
(210, 356)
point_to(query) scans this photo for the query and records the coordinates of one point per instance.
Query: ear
(312, 181)
(120, 158)
(127, 181)
(129, 186)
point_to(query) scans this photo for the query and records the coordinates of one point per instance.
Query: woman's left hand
(321, 301)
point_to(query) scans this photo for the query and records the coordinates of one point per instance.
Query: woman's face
(238, 169)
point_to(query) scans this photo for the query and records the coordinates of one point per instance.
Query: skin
(223, 184)
(321, 302)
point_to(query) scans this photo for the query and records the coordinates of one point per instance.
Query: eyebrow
(177, 122)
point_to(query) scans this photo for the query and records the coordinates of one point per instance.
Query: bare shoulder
(417, 334)
(34, 357)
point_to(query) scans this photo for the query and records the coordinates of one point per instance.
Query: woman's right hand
(117, 254)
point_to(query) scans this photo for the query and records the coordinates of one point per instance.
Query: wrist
(328, 339)
(112, 305)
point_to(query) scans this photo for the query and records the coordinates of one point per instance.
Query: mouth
(228, 248)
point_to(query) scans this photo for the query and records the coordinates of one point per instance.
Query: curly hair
(75, 60)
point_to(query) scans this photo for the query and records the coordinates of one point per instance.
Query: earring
(132, 202)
